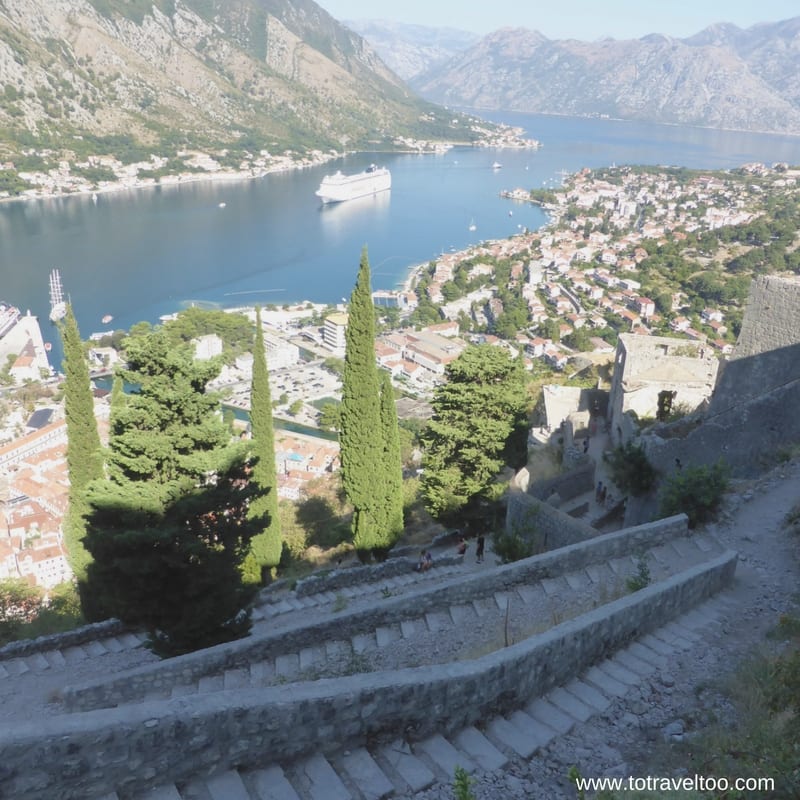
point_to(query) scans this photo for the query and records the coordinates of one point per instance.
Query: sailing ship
(58, 308)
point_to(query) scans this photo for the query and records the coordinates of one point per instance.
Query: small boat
(94, 197)
(510, 213)
(472, 225)
(221, 205)
(497, 165)
(106, 319)
(48, 346)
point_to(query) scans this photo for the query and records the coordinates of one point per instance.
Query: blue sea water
(141, 253)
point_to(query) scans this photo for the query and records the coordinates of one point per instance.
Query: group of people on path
(426, 559)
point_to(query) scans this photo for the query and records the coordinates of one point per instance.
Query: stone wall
(135, 748)
(549, 528)
(568, 485)
(58, 641)
(137, 683)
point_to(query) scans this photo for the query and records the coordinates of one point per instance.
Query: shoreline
(215, 176)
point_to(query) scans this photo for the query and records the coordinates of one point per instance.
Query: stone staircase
(62, 658)
(383, 698)
(402, 768)
(368, 648)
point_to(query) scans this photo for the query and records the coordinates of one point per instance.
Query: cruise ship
(338, 188)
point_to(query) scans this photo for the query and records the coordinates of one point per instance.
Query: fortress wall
(132, 749)
(549, 527)
(136, 683)
(771, 318)
(567, 486)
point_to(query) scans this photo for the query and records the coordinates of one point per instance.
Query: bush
(512, 546)
(631, 471)
(696, 492)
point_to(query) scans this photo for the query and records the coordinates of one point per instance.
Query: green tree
(695, 491)
(19, 604)
(479, 424)
(84, 453)
(265, 546)
(631, 470)
(392, 505)
(169, 529)
(360, 432)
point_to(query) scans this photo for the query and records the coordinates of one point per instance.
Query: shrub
(696, 492)
(512, 546)
(631, 471)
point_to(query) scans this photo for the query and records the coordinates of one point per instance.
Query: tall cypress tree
(265, 547)
(393, 469)
(170, 526)
(363, 476)
(84, 454)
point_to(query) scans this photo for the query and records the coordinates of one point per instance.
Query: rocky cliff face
(723, 77)
(281, 71)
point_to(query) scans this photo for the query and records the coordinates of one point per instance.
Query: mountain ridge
(721, 77)
(243, 73)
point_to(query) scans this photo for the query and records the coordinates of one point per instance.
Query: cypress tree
(265, 547)
(170, 526)
(84, 453)
(363, 476)
(393, 470)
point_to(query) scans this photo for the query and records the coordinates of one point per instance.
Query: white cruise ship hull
(338, 188)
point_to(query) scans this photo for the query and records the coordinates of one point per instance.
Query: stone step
(37, 662)
(227, 786)
(321, 781)
(629, 661)
(570, 704)
(55, 659)
(472, 742)
(364, 642)
(238, 678)
(128, 640)
(74, 655)
(444, 756)
(386, 634)
(438, 620)
(604, 682)
(413, 772)
(113, 645)
(462, 615)
(588, 694)
(311, 657)
(287, 665)
(555, 586)
(262, 673)
(530, 594)
(272, 784)
(94, 648)
(550, 715)
(365, 773)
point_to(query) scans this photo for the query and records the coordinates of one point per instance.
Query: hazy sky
(578, 19)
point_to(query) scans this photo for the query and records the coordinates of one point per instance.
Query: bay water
(137, 254)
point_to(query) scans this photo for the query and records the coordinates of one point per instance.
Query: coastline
(56, 189)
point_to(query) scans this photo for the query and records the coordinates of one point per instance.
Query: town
(627, 251)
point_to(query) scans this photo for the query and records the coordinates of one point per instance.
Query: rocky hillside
(723, 77)
(270, 73)
(410, 50)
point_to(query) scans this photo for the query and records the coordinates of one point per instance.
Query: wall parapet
(135, 748)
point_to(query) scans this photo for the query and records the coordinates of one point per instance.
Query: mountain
(723, 77)
(172, 73)
(409, 50)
